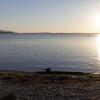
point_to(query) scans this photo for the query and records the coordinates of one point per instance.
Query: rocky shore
(49, 86)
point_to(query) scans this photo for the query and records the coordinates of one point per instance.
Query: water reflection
(98, 45)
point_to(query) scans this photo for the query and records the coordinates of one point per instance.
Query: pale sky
(49, 15)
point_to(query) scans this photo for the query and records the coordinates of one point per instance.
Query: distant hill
(50, 33)
(6, 32)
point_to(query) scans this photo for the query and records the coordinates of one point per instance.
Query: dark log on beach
(9, 97)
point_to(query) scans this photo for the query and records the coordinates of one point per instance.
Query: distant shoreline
(54, 34)
(6, 32)
(11, 32)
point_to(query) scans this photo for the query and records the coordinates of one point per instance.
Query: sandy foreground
(50, 86)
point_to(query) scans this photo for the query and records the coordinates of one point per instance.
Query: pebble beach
(37, 86)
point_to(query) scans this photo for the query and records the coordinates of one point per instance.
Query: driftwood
(9, 97)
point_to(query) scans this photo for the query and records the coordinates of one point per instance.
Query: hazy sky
(49, 15)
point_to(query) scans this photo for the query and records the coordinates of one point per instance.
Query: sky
(50, 16)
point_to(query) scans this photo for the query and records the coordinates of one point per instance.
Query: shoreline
(43, 76)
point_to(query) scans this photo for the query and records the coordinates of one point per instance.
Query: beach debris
(9, 97)
(48, 70)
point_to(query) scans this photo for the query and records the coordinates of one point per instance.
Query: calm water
(59, 52)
